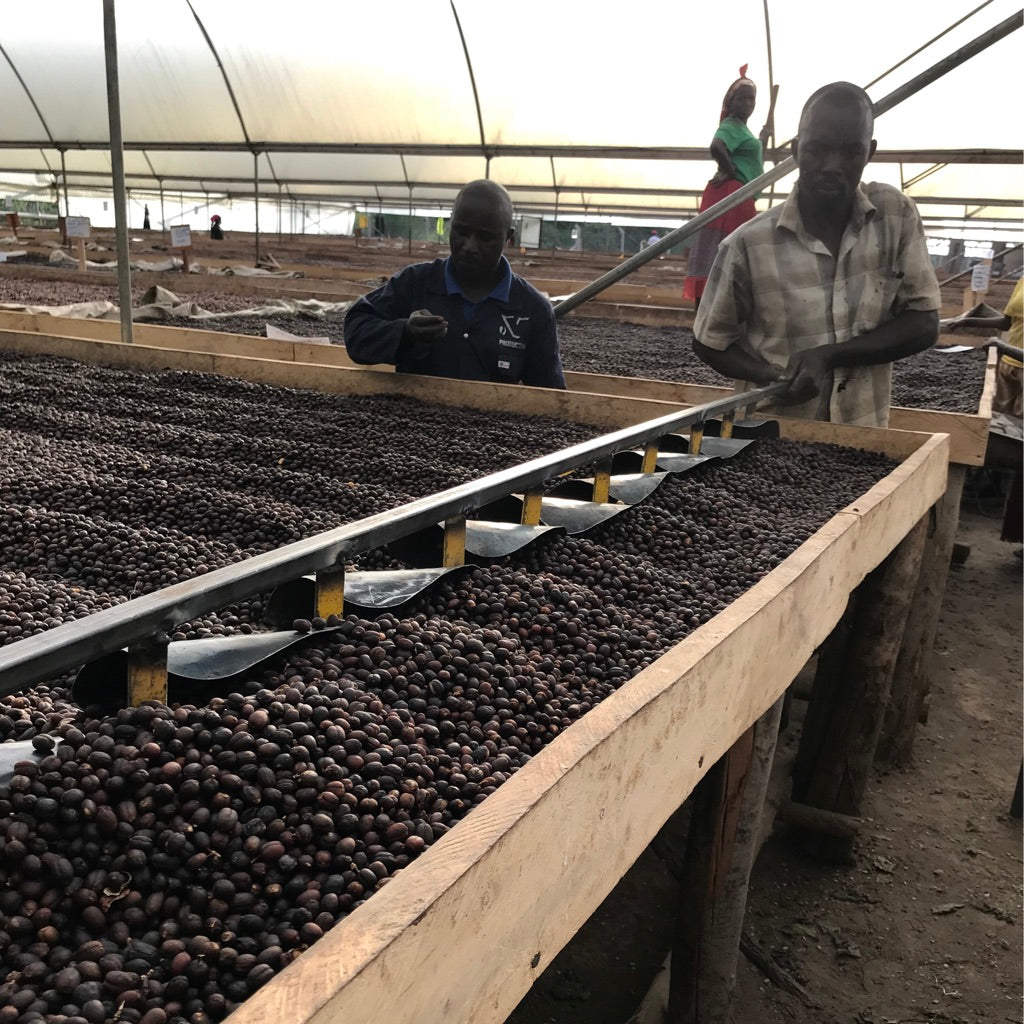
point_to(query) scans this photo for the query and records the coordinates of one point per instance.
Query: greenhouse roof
(590, 108)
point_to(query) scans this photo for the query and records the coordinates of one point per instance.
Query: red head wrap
(731, 91)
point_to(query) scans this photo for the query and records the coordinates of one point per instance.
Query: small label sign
(980, 276)
(181, 236)
(79, 227)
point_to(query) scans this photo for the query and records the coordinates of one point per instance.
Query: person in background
(1009, 397)
(468, 316)
(739, 158)
(655, 237)
(216, 231)
(826, 290)
(145, 218)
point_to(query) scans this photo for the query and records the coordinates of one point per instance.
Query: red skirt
(705, 245)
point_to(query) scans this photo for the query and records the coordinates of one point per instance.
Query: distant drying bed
(930, 380)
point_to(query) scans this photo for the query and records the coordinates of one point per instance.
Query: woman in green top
(739, 157)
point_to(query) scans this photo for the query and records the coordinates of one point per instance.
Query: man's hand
(720, 178)
(425, 326)
(803, 375)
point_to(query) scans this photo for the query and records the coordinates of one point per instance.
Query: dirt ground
(925, 928)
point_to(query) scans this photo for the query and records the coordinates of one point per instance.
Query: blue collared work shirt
(508, 337)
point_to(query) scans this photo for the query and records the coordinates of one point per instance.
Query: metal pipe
(64, 181)
(256, 197)
(410, 222)
(163, 218)
(74, 643)
(124, 272)
(983, 155)
(970, 270)
(751, 188)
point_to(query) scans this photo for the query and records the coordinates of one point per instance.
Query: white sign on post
(79, 227)
(980, 276)
(181, 236)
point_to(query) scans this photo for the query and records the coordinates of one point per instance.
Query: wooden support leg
(911, 681)
(851, 692)
(723, 842)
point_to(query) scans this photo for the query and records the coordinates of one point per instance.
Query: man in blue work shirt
(467, 316)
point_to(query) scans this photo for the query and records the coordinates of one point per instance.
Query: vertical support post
(650, 463)
(728, 421)
(454, 542)
(851, 691)
(602, 483)
(163, 218)
(409, 246)
(330, 592)
(124, 279)
(696, 438)
(256, 198)
(912, 679)
(720, 852)
(147, 673)
(67, 208)
(531, 508)
(279, 226)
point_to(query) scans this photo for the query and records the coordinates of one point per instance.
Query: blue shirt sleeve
(375, 325)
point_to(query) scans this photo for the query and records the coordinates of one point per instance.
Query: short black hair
(841, 94)
(493, 191)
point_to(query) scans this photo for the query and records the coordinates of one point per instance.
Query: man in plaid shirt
(826, 290)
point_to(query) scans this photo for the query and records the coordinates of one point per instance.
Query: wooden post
(720, 852)
(911, 681)
(976, 291)
(80, 253)
(532, 508)
(602, 483)
(851, 691)
(330, 592)
(454, 542)
(13, 223)
(696, 438)
(147, 673)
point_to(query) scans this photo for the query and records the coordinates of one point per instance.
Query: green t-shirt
(743, 147)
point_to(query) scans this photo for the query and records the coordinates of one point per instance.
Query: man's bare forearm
(736, 363)
(911, 332)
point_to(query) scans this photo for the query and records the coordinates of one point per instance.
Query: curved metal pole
(124, 272)
(897, 96)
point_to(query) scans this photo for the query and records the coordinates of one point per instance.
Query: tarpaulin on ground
(159, 303)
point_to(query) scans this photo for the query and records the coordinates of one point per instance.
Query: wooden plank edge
(988, 392)
(968, 431)
(462, 934)
(601, 411)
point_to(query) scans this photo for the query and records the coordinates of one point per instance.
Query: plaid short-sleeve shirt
(776, 290)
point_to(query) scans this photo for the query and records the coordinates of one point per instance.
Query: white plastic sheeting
(375, 103)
